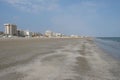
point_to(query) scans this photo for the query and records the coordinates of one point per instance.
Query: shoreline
(21, 38)
(99, 63)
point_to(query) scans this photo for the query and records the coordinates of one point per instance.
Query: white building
(10, 29)
(58, 35)
(28, 33)
(49, 33)
(21, 33)
(74, 36)
(37, 34)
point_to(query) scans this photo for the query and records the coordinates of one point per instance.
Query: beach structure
(10, 29)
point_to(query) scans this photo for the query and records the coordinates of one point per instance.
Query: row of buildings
(53, 34)
(12, 30)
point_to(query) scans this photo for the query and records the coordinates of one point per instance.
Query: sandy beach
(55, 59)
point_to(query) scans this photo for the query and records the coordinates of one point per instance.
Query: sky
(79, 17)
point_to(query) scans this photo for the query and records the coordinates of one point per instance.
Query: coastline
(100, 65)
(59, 59)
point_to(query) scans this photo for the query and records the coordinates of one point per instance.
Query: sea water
(111, 45)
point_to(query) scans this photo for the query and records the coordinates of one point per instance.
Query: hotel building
(10, 29)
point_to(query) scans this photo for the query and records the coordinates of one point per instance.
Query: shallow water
(110, 45)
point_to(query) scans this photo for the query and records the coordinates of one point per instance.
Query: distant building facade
(10, 29)
(49, 33)
(58, 35)
(1, 32)
(74, 36)
(21, 33)
(27, 33)
(53, 34)
(37, 34)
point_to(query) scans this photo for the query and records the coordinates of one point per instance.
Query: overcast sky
(82, 17)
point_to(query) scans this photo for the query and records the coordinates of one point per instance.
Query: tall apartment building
(10, 29)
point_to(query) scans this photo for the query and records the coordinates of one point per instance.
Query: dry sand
(55, 59)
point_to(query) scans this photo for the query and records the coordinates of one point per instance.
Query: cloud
(34, 5)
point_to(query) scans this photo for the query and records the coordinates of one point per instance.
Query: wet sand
(55, 59)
